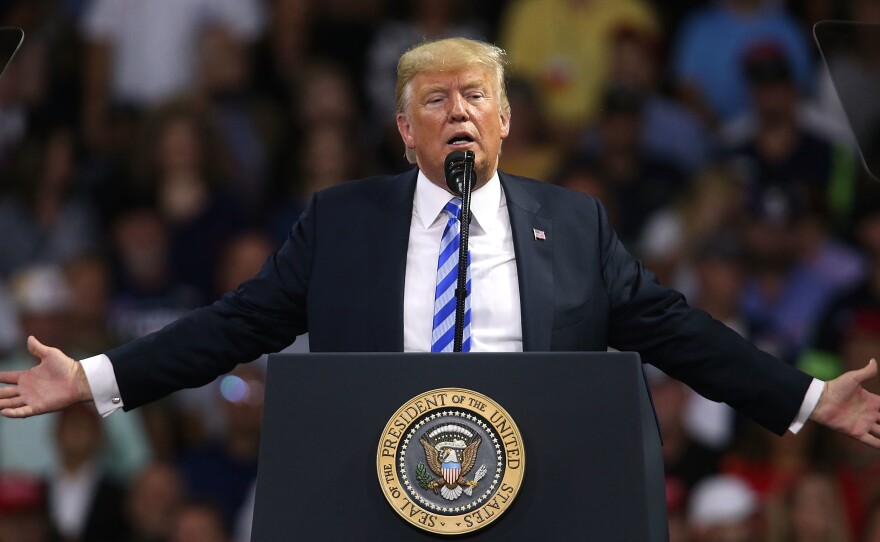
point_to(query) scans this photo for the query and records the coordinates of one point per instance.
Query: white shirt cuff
(811, 399)
(102, 382)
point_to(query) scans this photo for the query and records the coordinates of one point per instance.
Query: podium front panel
(593, 467)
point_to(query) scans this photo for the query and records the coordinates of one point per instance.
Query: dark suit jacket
(340, 276)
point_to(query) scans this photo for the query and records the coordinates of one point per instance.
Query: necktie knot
(453, 208)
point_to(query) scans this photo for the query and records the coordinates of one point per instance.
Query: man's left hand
(847, 407)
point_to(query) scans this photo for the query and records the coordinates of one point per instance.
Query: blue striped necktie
(447, 275)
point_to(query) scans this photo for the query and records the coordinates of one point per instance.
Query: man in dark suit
(359, 268)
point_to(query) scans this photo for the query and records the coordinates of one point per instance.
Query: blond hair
(448, 55)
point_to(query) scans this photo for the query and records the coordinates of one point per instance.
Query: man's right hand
(54, 384)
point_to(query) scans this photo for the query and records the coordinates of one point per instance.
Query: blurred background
(152, 154)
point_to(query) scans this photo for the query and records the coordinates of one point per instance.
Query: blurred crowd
(153, 153)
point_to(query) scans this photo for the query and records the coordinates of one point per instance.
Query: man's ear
(405, 130)
(505, 124)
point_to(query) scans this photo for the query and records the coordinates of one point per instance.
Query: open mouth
(460, 139)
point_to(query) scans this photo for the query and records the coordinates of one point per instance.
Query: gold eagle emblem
(451, 459)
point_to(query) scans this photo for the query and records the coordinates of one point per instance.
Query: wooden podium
(593, 471)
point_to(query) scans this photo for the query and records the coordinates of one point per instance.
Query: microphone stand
(467, 186)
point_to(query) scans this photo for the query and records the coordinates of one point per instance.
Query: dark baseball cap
(766, 62)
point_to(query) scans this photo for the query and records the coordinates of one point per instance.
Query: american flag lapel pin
(539, 234)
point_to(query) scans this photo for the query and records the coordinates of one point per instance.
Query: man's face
(454, 111)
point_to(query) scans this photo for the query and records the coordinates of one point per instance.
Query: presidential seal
(450, 461)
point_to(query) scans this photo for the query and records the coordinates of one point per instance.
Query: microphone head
(458, 167)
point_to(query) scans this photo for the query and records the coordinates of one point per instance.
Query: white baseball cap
(41, 290)
(721, 499)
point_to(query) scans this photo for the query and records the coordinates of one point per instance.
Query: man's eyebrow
(431, 90)
(477, 84)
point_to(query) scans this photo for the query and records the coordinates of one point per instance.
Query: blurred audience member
(198, 522)
(183, 170)
(529, 149)
(357, 21)
(840, 264)
(581, 173)
(329, 154)
(770, 465)
(107, 171)
(639, 182)
(24, 515)
(564, 48)
(166, 429)
(84, 502)
(725, 509)
(783, 297)
(321, 147)
(44, 219)
(707, 61)
(686, 460)
(778, 148)
(90, 288)
(223, 470)
(851, 321)
(242, 258)
(811, 116)
(248, 124)
(720, 272)
(147, 297)
(44, 300)
(326, 96)
(809, 512)
(711, 206)
(142, 54)
(286, 45)
(153, 501)
(422, 20)
(669, 129)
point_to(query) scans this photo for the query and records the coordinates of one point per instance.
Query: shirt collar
(485, 202)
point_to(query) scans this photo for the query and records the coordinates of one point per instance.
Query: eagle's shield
(451, 472)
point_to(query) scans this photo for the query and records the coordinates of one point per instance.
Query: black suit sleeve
(691, 346)
(263, 315)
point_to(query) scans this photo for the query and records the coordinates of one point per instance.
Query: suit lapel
(534, 263)
(388, 255)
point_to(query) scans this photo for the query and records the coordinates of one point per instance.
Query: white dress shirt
(496, 324)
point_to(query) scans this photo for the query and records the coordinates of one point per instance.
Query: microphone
(459, 170)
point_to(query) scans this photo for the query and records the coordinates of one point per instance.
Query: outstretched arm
(847, 407)
(55, 383)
